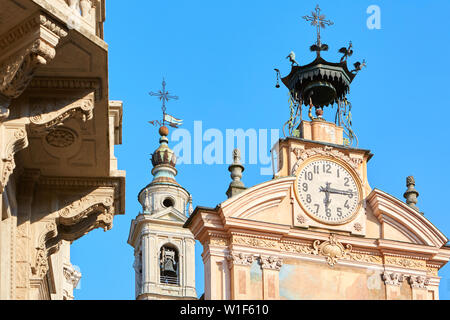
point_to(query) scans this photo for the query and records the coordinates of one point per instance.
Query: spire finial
(236, 169)
(318, 20)
(411, 193)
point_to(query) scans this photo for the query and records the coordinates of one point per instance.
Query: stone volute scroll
(236, 169)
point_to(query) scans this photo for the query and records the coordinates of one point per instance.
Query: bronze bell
(169, 268)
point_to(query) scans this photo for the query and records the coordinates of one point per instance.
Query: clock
(328, 191)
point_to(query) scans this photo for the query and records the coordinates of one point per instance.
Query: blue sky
(219, 56)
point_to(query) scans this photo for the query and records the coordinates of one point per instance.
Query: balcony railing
(169, 280)
(88, 13)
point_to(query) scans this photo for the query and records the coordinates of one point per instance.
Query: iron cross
(318, 20)
(163, 96)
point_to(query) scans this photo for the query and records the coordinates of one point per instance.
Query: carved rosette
(239, 259)
(393, 278)
(271, 263)
(332, 250)
(302, 155)
(34, 43)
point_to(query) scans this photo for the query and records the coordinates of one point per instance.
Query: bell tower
(164, 250)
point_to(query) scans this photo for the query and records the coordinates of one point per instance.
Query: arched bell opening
(169, 265)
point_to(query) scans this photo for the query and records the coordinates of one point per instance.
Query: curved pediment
(265, 198)
(408, 223)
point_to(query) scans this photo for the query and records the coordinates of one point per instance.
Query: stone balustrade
(85, 13)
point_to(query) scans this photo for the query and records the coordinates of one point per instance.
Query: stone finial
(411, 193)
(236, 169)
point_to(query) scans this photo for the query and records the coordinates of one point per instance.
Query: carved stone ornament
(14, 139)
(302, 155)
(393, 278)
(272, 263)
(255, 242)
(61, 138)
(44, 250)
(83, 215)
(79, 209)
(331, 249)
(419, 282)
(32, 43)
(46, 114)
(240, 259)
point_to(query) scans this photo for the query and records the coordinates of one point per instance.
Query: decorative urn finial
(236, 169)
(411, 193)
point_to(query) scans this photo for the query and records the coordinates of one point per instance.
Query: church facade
(59, 178)
(278, 241)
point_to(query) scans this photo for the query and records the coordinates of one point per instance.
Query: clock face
(328, 191)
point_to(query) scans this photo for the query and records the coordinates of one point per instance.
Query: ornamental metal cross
(318, 20)
(163, 96)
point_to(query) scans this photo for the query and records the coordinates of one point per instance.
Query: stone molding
(68, 84)
(23, 49)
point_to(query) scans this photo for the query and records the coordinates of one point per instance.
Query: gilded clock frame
(349, 169)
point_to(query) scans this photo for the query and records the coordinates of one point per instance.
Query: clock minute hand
(341, 192)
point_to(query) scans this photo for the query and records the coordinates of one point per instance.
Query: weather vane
(318, 20)
(165, 96)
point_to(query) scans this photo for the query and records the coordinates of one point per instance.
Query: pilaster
(271, 267)
(240, 264)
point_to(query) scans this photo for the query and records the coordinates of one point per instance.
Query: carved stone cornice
(68, 84)
(393, 278)
(271, 263)
(46, 113)
(23, 49)
(240, 259)
(13, 139)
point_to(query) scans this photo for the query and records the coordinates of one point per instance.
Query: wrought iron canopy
(321, 81)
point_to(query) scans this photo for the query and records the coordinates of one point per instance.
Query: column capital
(271, 262)
(239, 259)
(393, 278)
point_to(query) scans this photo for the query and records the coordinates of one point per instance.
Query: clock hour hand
(327, 199)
